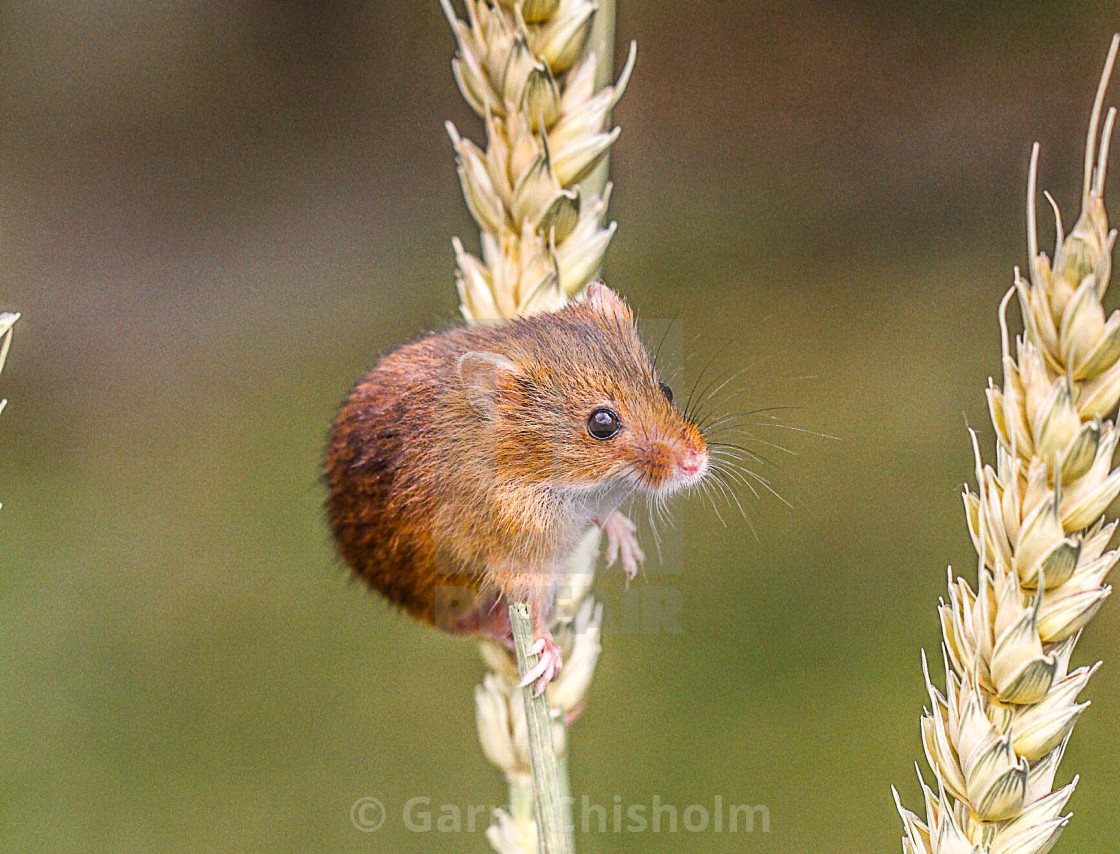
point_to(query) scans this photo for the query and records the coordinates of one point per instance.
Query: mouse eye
(603, 423)
(665, 390)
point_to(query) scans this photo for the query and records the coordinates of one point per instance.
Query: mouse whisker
(704, 425)
(778, 425)
(763, 410)
(715, 507)
(664, 335)
(735, 498)
(749, 437)
(722, 479)
(765, 484)
(698, 396)
(709, 392)
(737, 470)
(736, 453)
(750, 452)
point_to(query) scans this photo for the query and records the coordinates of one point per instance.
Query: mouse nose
(690, 462)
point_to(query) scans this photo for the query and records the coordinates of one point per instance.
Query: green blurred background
(215, 216)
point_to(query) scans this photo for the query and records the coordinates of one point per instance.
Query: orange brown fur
(436, 483)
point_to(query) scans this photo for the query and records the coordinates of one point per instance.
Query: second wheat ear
(995, 736)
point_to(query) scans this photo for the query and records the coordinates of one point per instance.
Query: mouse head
(575, 400)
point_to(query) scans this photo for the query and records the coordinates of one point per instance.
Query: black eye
(603, 423)
(665, 390)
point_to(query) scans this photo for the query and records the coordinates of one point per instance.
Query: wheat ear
(523, 68)
(7, 321)
(536, 72)
(995, 737)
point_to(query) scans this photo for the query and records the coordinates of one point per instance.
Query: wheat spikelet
(995, 737)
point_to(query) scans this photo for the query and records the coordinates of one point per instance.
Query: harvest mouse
(478, 458)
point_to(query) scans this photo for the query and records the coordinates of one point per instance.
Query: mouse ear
(481, 374)
(607, 303)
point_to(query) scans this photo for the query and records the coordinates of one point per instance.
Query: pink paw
(547, 666)
(621, 541)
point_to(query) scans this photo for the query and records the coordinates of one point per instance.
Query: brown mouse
(469, 464)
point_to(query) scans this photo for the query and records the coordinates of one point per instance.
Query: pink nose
(690, 462)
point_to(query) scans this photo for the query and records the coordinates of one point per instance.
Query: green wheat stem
(553, 832)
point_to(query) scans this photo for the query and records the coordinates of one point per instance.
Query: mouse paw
(622, 542)
(547, 666)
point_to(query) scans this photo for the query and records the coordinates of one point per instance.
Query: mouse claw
(621, 541)
(546, 668)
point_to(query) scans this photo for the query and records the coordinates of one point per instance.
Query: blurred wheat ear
(537, 73)
(995, 737)
(7, 321)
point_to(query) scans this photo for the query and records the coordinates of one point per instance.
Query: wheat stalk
(996, 735)
(536, 72)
